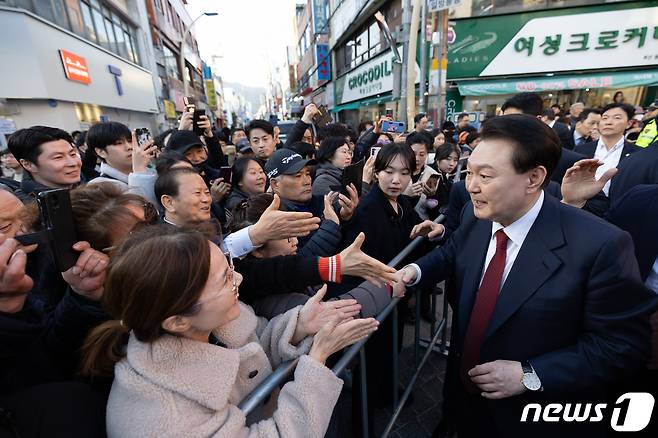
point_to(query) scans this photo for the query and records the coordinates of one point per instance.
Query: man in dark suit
(562, 130)
(539, 316)
(611, 148)
(581, 131)
(639, 168)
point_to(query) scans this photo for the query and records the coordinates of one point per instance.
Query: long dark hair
(160, 271)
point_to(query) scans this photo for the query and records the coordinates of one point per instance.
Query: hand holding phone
(196, 119)
(374, 151)
(143, 136)
(393, 127)
(57, 220)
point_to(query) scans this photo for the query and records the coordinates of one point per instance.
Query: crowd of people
(206, 260)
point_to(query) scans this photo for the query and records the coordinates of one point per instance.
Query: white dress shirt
(516, 233)
(610, 159)
(238, 244)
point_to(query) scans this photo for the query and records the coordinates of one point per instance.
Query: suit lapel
(474, 252)
(535, 263)
(626, 152)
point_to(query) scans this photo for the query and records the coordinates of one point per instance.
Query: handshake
(406, 276)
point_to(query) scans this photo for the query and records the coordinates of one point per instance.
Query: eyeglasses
(231, 280)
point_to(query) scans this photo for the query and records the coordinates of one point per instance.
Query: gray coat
(326, 176)
(177, 387)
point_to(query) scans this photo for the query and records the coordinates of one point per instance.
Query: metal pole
(418, 294)
(396, 368)
(411, 62)
(422, 100)
(443, 65)
(364, 393)
(406, 22)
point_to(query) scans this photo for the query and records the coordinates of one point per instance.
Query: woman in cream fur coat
(194, 351)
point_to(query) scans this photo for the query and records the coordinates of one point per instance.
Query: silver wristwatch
(530, 379)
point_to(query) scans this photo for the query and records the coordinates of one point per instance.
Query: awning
(557, 83)
(388, 97)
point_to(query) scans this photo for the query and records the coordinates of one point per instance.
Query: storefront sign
(605, 36)
(323, 62)
(557, 83)
(116, 72)
(320, 17)
(439, 5)
(372, 78)
(211, 96)
(170, 109)
(75, 67)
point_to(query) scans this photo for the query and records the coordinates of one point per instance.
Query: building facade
(168, 21)
(74, 63)
(588, 53)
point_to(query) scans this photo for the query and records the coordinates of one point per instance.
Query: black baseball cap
(243, 146)
(285, 162)
(183, 140)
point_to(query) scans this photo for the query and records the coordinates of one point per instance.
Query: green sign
(557, 83)
(595, 37)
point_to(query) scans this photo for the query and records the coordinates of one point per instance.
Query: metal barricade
(285, 370)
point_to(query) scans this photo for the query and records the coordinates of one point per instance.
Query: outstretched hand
(355, 262)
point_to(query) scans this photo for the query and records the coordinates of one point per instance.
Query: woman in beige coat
(194, 351)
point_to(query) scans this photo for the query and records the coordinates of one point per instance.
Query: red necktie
(485, 302)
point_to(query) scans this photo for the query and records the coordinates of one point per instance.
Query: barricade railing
(284, 371)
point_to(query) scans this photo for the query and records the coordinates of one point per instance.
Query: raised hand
(335, 336)
(355, 262)
(317, 313)
(348, 205)
(329, 212)
(87, 276)
(275, 225)
(580, 184)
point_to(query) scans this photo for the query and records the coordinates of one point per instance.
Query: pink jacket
(177, 387)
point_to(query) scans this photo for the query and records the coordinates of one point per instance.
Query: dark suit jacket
(559, 308)
(588, 149)
(564, 133)
(567, 159)
(639, 168)
(636, 212)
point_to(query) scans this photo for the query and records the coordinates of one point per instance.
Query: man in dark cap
(190, 145)
(289, 175)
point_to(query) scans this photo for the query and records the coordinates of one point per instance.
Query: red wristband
(329, 269)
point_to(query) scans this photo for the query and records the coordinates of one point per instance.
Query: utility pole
(406, 22)
(411, 62)
(422, 100)
(437, 97)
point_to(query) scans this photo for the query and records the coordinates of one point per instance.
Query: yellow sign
(170, 109)
(211, 96)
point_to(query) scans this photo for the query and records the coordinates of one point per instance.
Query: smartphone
(393, 127)
(226, 172)
(374, 151)
(352, 174)
(143, 136)
(195, 121)
(57, 221)
(433, 178)
(188, 101)
(322, 118)
(389, 113)
(29, 239)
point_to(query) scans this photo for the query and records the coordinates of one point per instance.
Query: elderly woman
(194, 351)
(333, 156)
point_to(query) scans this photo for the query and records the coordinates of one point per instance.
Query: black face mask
(201, 167)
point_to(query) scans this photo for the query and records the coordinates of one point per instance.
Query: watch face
(531, 381)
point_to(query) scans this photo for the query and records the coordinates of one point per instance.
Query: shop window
(60, 14)
(44, 9)
(112, 40)
(121, 40)
(171, 63)
(103, 39)
(90, 30)
(73, 8)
